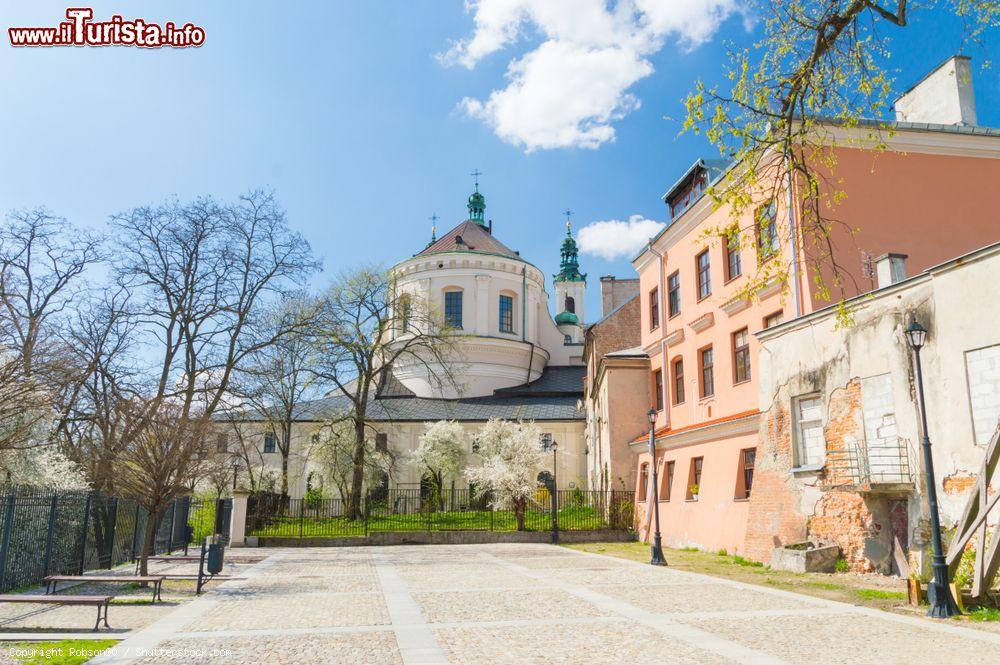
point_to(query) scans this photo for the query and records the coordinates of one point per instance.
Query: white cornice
(740, 426)
(908, 139)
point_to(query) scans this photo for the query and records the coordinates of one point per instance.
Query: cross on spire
(434, 218)
(475, 174)
(569, 214)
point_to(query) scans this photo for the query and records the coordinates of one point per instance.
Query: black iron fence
(65, 533)
(272, 515)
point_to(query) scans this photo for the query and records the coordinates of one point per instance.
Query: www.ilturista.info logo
(80, 30)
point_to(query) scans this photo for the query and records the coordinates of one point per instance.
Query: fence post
(135, 530)
(490, 506)
(368, 510)
(238, 519)
(8, 523)
(111, 539)
(48, 535)
(302, 509)
(86, 525)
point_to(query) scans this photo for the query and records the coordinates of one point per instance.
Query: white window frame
(798, 437)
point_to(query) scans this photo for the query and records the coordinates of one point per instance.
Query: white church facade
(517, 361)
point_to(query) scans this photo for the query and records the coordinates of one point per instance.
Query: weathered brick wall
(618, 332)
(774, 518)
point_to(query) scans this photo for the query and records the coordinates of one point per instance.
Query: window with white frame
(810, 447)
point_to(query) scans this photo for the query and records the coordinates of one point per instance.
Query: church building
(515, 360)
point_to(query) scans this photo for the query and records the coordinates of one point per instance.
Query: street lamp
(555, 494)
(236, 463)
(656, 558)
(944, 605)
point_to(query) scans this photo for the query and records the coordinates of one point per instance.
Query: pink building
(931, 195)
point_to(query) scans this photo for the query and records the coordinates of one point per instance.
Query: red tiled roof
(664, 431)
(474, 237)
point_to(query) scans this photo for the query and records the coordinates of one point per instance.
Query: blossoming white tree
(511, 457)
(441, 454)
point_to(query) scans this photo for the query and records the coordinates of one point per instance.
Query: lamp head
(916, 335)
(652, 416)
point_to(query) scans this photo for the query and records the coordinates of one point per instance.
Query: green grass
(740, 561)
(983, 613)
(880, 594)
(690, 549)
(570, 518)
(826, 586)
(62, 652)
(203, 519)
(842, 566)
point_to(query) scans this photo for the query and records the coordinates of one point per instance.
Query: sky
(367, 118)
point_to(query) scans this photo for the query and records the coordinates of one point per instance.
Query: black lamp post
(555, 494)
(944, 605)
(656, 558)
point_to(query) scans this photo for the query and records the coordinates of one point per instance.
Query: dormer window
(688, 193)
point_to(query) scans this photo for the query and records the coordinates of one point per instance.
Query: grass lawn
(570, 517)
(877, 591)
(63, 652)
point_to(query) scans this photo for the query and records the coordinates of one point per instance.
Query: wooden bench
(156, 580)
(163, 558)
(100, 602)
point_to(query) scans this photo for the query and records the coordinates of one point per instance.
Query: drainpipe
(664, 373)
(793, 238)
(524, 304)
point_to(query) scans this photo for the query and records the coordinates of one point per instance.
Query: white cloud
(570, 89)
(615, 239)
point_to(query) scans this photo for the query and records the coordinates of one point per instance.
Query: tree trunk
(358, 471)
(519, 513)
(284, 474)
(147, 545)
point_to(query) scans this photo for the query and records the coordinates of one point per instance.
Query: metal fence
(66, 533)
(272, 515)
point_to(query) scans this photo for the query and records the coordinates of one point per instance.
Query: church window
(404, 310)
(269, 443)
(453, 309)
(570, 305)
(506, 314)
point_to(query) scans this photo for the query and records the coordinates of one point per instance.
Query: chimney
(890, 268)
(943, 97)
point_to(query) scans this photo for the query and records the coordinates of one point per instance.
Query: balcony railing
(885, 466)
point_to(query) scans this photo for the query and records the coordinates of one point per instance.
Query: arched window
(453, 307)
(570, 305)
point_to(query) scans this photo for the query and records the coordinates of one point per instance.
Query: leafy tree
(820, 64)
(511, 457)
(441, 454)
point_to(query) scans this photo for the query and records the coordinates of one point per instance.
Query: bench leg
(97, 626)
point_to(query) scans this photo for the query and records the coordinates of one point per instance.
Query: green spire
(477, 203)
(569, 265)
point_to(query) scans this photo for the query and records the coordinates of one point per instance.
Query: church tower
(570, 286)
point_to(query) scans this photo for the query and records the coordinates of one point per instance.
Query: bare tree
(335, 452)
(41, 261)
(203, 275)
(157, 464)
(366, 325)
(277, 378)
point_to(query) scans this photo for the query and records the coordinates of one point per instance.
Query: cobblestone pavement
(523, 604)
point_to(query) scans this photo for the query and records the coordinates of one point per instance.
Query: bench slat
(103, 578)
(56, 600)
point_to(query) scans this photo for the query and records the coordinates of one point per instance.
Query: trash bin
(216, 552)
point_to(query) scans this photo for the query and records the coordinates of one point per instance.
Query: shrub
(842, 566)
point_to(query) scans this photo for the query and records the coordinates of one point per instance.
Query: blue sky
(345, 110)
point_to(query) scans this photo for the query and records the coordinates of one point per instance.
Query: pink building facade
(931, 195)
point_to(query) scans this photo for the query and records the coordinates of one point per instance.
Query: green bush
(842, 566)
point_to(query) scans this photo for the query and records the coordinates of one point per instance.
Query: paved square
(523, 604)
